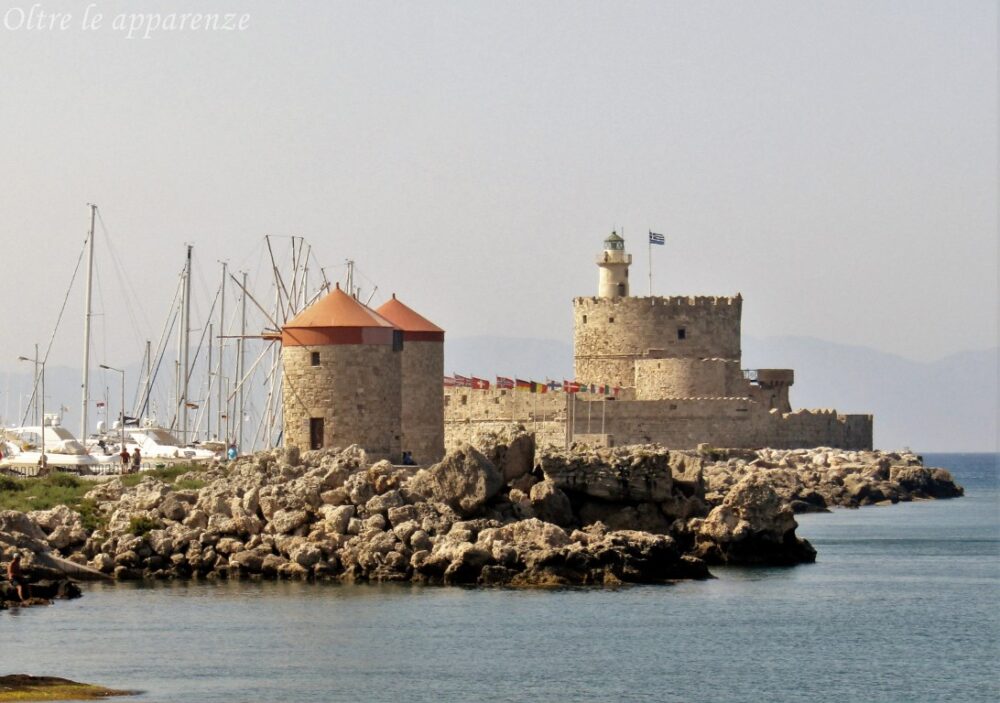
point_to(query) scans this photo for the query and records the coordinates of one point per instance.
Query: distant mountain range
(945, 405)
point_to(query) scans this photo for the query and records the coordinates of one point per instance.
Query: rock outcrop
(499, 514)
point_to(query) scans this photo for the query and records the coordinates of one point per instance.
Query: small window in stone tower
(681, 333)
(314, 359)
(621, 289)
(611, 319)
(584, 319)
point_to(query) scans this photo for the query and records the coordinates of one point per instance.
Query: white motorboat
(154, 443)
(22, 449)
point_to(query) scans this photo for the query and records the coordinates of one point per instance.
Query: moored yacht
(22, 449)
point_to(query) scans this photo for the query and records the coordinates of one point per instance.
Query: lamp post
(122, 372)
(42, 460)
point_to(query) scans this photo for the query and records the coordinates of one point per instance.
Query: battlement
(675, 301)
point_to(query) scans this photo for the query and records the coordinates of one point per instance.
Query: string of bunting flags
(517, 384)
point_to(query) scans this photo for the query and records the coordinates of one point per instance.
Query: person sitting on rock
(16, 576)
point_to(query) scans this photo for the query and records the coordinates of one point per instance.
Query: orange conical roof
(405, 318)
(337, 318)
(338, 309)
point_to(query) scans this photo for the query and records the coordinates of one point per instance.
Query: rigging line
(201, 341)
(52, 339)
(161, 347)
(122, 274)
(62, 310)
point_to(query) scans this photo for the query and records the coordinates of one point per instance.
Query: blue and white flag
(655, 238)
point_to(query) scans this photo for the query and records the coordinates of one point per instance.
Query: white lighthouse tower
(613, 264)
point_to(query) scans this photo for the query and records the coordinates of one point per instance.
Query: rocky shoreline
(499, 513)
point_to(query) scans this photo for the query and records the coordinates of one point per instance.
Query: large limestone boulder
(623, 474)
(550, 504)
(510, 449)
(464, 480)
(752, 526)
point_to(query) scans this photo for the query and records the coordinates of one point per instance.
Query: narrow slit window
(314, 359)
(681, 333)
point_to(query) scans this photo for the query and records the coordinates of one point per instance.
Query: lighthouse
(613, 264)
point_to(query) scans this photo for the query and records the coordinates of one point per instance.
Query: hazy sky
(836, 162)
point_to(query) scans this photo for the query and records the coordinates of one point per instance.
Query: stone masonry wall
(355, 389)
(688, 378)
(610, 334)
(422, 410)
(468, 412)
(683, 423)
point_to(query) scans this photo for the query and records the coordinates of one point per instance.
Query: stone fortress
(677, 361)
(354, 375)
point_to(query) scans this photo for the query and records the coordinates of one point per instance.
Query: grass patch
(168, 474)
(189, 484)
(26, 494)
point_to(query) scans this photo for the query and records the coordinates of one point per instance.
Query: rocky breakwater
(811, 480)
(496, 514)
(330, 515)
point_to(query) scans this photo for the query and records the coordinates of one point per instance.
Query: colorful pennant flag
(655, 238)
(522, 385)
(504, 382)
(480, 384)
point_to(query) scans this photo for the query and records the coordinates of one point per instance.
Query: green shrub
(189, 484)
(10, 484)
(63, 480)
(90, 516)
(141, 526)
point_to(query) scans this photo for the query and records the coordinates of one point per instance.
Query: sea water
(901, 605)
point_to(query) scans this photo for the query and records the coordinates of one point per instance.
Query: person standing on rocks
(136, 460)
(125, 457)
(16, 575)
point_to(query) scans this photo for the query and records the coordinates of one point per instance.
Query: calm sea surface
(903, 604)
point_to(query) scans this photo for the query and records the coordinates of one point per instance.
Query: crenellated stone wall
(355, 389)
(679, 423)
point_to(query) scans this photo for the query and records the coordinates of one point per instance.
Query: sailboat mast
(222, 334)
(242, 360)
(86, 325)
(185, 345)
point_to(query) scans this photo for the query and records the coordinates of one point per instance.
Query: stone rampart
(468, 412)
(684, 423)
(679, 423)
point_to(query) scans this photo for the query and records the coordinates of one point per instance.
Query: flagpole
(649, 240)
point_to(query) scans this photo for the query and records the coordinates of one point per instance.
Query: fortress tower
(676, 346)
(422, 409)
(342, 374)
(613, 264)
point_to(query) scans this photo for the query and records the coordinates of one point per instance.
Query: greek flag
(655, 238)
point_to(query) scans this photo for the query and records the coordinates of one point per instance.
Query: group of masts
(226, 420)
